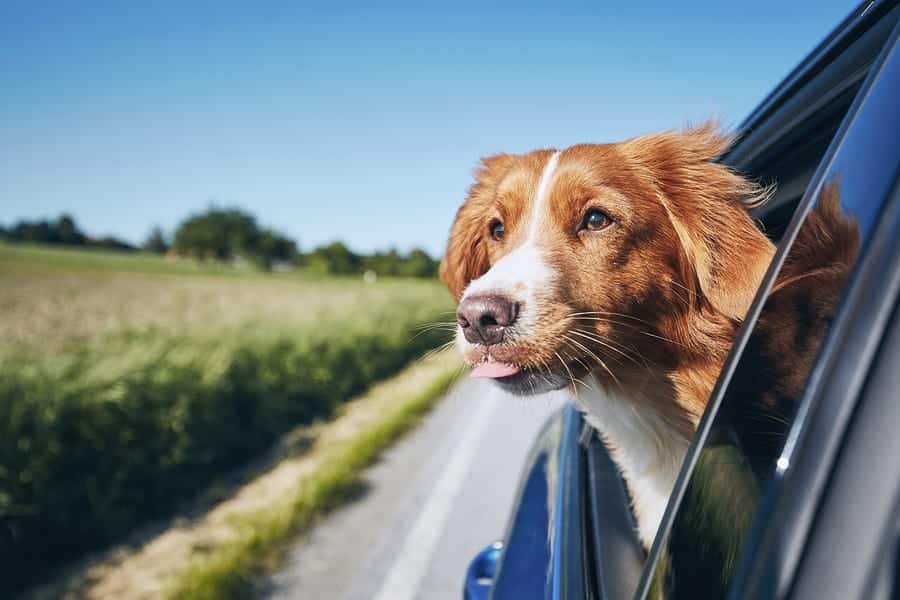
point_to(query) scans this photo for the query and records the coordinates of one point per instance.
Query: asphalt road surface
(438, 497)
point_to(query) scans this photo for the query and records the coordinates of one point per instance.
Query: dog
(621, 271)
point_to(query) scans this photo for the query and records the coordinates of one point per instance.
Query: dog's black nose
(485, 317)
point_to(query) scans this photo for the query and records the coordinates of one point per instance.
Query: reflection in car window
(759, 405)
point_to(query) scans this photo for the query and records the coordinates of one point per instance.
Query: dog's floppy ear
(707, 204)
(466, 257)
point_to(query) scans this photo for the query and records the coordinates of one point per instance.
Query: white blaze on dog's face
(584, 261)
(520, 278)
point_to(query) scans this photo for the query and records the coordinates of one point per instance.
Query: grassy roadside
(228, 570)
(128, 385)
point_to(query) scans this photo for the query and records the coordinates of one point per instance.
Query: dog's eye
(595, 220)
(496, 229)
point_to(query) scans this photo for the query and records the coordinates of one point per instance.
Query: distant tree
(391, 263)
(156, 241)
(419, 264)
(67, 232)
(383, 263)
(25, 231)
(273, 247)
(217, 234)
(334, 258)
(62, 231)
(228, 234)
(109, 242)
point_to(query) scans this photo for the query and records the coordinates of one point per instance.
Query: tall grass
(99, 433)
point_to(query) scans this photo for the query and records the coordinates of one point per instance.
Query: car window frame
(615, 554)
(857, 502)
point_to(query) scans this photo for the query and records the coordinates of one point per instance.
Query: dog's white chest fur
(648, 451)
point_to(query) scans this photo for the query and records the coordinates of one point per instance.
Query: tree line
(61, 231)
(233, 236)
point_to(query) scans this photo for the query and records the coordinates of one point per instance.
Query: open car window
(739, 447)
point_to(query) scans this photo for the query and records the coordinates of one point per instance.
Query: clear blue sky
(360, 124)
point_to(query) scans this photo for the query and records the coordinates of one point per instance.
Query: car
(806, 503)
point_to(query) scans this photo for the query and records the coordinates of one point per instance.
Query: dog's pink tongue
(494, 370)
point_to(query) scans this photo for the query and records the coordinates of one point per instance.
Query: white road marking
(405, 575)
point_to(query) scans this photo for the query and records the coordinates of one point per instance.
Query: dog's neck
(647, 448)
(647, 419)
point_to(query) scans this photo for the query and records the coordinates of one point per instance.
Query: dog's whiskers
(569, 371)
(593, 355)
(665, 339)
(605, 313)
(606, 344)
(691, 293)
(436, 325)
(448, 326)
(618, 347)
(546, 378)
(686, 300)
(640, 331)
(438, 350)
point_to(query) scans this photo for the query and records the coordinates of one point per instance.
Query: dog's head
(598, 257)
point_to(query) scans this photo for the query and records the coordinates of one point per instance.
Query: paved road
(436, 499)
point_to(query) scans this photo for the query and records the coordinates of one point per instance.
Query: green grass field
(50, 297)
(127, 382)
